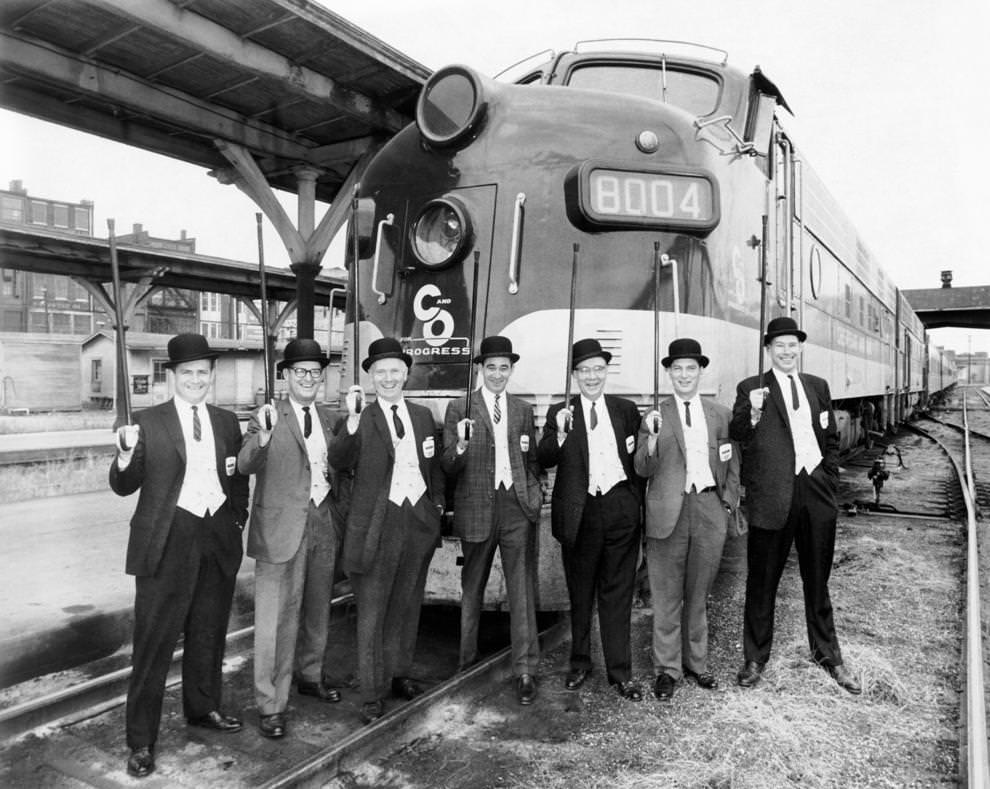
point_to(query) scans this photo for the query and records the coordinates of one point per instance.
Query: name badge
(630, 444)
(725, 452)
(823, 420)
(428, 448)
(231, 463)
(524, 443)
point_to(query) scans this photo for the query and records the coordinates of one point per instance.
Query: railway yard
(898, 587)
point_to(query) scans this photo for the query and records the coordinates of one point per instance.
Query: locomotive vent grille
(611, 341)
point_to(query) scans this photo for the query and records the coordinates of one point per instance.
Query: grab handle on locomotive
(517, 217)
(388, 220)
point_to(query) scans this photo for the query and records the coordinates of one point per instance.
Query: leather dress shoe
(844, 679)
(272, 726)
(629, 691)
(217, 721)
(405, 688)
(663, 687)
(749, 674)
(575, 678)
(141, 762)
(705, 679)
(317, 690)
(372, 710)
(525, 688)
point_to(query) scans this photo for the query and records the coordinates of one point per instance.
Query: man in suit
(293, 537)
(595, 514)
(790, 471)
(492, 456)
(184, 547)
(692, 472)
(394, 523)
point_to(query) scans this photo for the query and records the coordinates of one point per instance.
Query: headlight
(441, 233)
(451, 106)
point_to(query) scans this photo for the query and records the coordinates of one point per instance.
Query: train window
(11, 209)
(815, 272)
(691, 91)
(849, 301)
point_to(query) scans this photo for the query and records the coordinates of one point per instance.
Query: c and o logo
(438, 324)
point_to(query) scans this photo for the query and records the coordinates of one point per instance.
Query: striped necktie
(197, 425)
(497, 416)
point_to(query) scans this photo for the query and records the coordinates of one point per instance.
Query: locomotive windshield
(691, 91)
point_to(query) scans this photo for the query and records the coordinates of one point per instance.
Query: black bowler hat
(385, 348)
(299, 350)
(588, 349)
(188, 348)
(781, 326)
(496, 346)
(685, 348)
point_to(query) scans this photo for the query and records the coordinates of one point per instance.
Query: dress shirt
(201, 493)
(316, 451)
(807, 454)
(604, 466)
(503, 467)
(407, 480)
(698, 467)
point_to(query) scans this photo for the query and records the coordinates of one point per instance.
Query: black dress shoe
(705, 679)
(405, 688)
(844, 679)
(217, 721)
(630, 691)
(372, 710)
(575, 678)
(141, 762)
(317, 690)
(272, 726)
(525, 688)
(663, 687)
(749, 674)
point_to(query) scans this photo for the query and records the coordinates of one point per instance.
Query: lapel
(479, 413)
(170, 419)
(377, 414)
(288, 413)
(578, 426)
(777, 398)
(670, 412)
(219, 442)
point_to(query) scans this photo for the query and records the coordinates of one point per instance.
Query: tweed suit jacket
(768, 448)
(158, 467)
(474, 471)
(570, 488)
(281, 489)
(666, 468)
(370, 455)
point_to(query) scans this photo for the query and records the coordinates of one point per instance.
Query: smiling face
(495, 373)
(304, 379)
(685, 375)
(785, 352)
(389, 376)
(193, 380)
(591, 375)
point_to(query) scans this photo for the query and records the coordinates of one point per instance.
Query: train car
(655, 182)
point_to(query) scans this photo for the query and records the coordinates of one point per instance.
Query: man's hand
(127, 438)
(757, 397)
(267, 419)
(565, 420)
(464, 428)
(652, 422)
(354, 399)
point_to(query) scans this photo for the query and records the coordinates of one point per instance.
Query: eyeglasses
(302, 372)
(598, 369)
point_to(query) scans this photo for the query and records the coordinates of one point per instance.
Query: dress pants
(601, 566)
(515, 537)
(810, 526)
(190, 593)
(682, 569)
(389, 598)
(292, 612)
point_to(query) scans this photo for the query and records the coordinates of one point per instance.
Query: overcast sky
(889, 99)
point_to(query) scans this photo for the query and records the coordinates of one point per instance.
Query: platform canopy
(939, 308)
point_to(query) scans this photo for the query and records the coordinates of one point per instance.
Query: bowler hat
(496, 346)
(685, 348)
(188, 348)
(588, 349)
(385, 348)
(301, 350)
(780, 326)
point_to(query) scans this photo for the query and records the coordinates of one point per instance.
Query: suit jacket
(475, 469)
(281, 490)
(768, 448)
(157, 468)
(370, 455)
(666, 468)
(570, 487)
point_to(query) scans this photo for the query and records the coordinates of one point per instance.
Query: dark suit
(185, 567)
(599, 534)
(786, 508)
(685, 533)
(387, 548)
(295, 544)
(486, 519)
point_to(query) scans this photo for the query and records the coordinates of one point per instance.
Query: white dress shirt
(407, 480)
(201, 493)
(698, 468)
(503, 467)
(316, 451)
(604, 467)
(807, 455)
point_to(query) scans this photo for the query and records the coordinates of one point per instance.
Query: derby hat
(685, 348)
(781, 326)
(496, 346)
(188, 348)
(588, 349)
(385, 348)
(300, 350)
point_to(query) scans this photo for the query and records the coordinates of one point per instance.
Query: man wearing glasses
(595, 514)
(294, 537)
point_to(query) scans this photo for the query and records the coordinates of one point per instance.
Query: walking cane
(763, 294)
(265, 348)
(123, 378)
(570, 336)
(656, 333)
(474, 315)
(355, 307)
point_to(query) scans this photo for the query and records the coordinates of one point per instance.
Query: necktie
(687, 413)
(497, 416)
(794, 396)
(594, 417)
(197, 425)
(307, 422)
(400, 429)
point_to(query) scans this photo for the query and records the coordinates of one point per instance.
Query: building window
(39, 212)
(96, 370)
(60, 214)
(82, 324)
(11, 209)
(158, 375)
(8, 278)
(81, 221)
